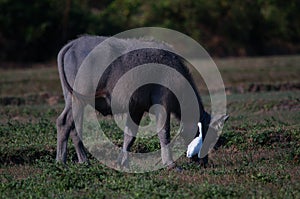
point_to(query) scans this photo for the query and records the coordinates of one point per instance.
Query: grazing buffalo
(70, 59)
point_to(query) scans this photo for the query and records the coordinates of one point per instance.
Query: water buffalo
(69, 61)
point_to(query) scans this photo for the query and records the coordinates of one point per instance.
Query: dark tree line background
(35, 30)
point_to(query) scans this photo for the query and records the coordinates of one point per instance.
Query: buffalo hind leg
(130, 131)
(76, 132)
(66, 126)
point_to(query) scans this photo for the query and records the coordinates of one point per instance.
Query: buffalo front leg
(163, 129)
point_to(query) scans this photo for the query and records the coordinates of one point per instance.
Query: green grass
(258, 154)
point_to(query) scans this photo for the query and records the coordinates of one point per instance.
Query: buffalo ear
(218, 121)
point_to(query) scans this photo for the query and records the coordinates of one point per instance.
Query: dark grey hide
(69, 60)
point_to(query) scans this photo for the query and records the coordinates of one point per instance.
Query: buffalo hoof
(123, 160)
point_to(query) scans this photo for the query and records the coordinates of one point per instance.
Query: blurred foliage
(34, 30)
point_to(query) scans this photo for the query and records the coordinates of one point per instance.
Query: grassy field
(258, 154)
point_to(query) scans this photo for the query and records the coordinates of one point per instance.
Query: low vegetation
(257, 155)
